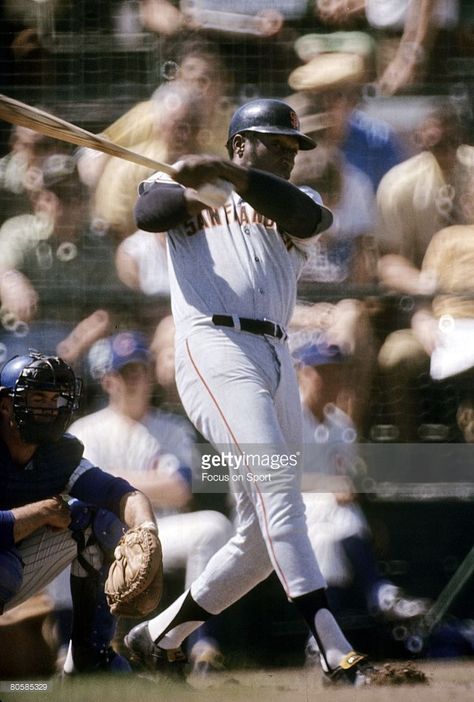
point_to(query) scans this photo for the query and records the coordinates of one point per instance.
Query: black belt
(254, 326)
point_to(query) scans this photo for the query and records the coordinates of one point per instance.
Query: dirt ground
(448, 682)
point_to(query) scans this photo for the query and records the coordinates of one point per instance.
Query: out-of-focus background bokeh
(383, 335)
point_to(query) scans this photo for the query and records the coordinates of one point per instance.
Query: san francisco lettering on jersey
(241, 213)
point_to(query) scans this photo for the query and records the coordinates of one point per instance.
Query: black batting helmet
(268, 116)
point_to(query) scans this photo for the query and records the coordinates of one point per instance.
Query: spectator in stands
(337, 527)
(406, 32)
(54, 278)
(411, 60)
(141, 263)
(175, 119)
(254, 39)
(159, 449)
(339, 12)
(162, 17)
(196, 65)
(341, 331)
(341, 263)
(329, 85)
(184, 115)
(420, 196)
(343, 255)
(440, 333)
(20, 171)
(162, 351)
(25, 60)
(432, 191)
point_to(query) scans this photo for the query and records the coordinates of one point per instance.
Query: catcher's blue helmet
(36, 371)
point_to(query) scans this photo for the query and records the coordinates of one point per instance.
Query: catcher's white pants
(240, 391)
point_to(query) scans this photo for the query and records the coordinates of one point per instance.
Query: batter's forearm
(294, 211)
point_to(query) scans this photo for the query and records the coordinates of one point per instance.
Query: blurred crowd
(385, 88)
(382, 335)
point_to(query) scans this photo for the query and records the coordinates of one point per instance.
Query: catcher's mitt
(134, 583)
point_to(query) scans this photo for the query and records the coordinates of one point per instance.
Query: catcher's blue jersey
(58, 468)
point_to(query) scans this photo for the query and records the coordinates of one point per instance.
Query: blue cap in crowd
(311, 348)
(318, 354)
(115, 352)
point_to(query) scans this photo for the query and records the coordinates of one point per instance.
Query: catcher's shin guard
(109, 662)
(93, 625)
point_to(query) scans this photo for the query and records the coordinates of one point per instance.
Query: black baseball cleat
(354, 669)
(169, 663)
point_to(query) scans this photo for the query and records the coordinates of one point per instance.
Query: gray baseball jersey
(232, 260)
(239, 388)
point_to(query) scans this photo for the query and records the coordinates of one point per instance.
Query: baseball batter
(233, 277)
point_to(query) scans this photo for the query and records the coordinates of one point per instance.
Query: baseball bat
(16, 112)
(38, 120)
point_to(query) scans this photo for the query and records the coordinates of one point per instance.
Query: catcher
(56, 509)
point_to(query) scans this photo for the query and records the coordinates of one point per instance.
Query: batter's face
(274, 153)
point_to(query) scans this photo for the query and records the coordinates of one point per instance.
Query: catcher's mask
(268, 116)
(45, 393)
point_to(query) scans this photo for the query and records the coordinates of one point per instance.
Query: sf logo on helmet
(295, 123)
